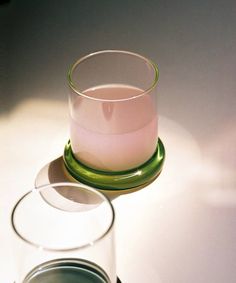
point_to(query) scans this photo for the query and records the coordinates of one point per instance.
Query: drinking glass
(64, 234)
(113, 110)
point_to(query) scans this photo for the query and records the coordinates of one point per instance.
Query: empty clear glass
(64, 234)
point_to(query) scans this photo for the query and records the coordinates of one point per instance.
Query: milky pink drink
(113, 127)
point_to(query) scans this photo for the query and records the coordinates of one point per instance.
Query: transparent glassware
(114, 143)
(64, 233)
(113, 110)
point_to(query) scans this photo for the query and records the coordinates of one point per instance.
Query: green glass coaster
(119, 180)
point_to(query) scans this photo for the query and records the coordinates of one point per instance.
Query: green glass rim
(119, 180)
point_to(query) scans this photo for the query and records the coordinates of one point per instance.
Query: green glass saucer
(119, 180)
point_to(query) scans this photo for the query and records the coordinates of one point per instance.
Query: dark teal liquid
(67, 271)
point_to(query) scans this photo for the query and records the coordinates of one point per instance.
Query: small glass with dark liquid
(64, 235)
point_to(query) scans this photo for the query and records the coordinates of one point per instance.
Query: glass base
(67, 270)
(121, 180)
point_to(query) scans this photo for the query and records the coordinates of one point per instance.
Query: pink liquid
(113, 135)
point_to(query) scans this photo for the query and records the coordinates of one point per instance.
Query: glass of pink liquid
(113, 110)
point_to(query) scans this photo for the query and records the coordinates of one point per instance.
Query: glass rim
(69, 184)
(82, 59)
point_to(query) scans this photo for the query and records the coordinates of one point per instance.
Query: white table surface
(182, 227)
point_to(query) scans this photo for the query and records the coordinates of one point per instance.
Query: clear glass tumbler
(64, 235)
(113, 110)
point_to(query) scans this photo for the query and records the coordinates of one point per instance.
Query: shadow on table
(56, 172)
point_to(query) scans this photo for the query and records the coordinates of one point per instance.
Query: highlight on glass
(64, 233)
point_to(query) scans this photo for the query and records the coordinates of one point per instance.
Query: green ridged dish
(112, 181)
